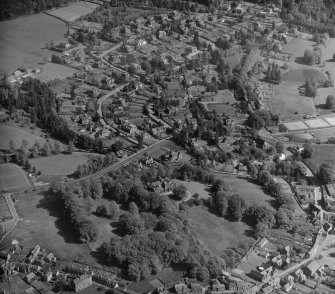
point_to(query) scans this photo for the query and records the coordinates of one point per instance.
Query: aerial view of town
(167, 146)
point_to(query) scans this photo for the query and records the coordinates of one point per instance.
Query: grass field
(196, 187)
(221, 108)
(303, 74)
(287, 102)
(17, 134)
(59, 164)
(322, 154)
(296, 47)
(73, 11)
(22, 40)
(12, 176)
(216, 232)
(52, 71)
(42, 222)
(250, 192)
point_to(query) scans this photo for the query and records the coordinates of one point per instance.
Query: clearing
(17, 134)
(61, 164)
(288, 103)
(195, 187)
(72, 12)
(42, 222)
(321, 154)
(217, 232)
(53, 71)
(249, 191)
(303, 74)
(296, 48)
(22, 40)
(12, 176)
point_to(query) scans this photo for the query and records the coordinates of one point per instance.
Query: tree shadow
(62, 223)
(321, 106)
(300, 60)
(116, 229)
(249, 233)
(99, 256)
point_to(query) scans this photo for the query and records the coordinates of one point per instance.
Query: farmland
(52, 71)
(59, 164)
(22, 40)
(221, 108)
(12, 176)
(216, 232)
(73, 11)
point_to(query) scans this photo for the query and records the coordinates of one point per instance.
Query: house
(181, 288)
(130, 128)
(141, 42)
(81, 283)
(161, 34)
(47, 277)
(312, 268)
(258, 276)
(158, 131)
(217, 287)
(30, 277)
(263, 242)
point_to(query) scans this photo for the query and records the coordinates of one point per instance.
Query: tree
(57, 148)
(96, 189)
(179, 192)
(310, 57)
(282, 219)
(330, 102)
(73, 92)
(202, 274)
(307, 152)
(220, 202)
(130, 223)
(280, 148)
(46, 149)
(236, 207)
(101, 211)
(114, 210)
(261, 230)
(326, 173)
(70, 147)
(133, 209)
(134, 272)
(12, 146)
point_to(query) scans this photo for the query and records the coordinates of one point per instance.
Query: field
(195, 187)
(216, 232)
(22, 40)
(12, 176)
(322, 154)
(221, 108)
(59, 164)
(52, 71)
(42, 222)
(303, 74)
(250, 192)
(296, 48)
(287, 102)
(72, 12)
(17, 134)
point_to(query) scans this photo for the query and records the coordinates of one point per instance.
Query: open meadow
(52, 71)
(321, 154)
(62, 164)
(73, 11)
(12, 176)
(42, 222)
(249, 191)
(217, 232)
(296, 47)
(17, 134)
(288, 103)
(22, 41)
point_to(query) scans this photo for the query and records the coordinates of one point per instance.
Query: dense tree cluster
(326, 173)
(273, 73)
(94, 164)
(77, 208)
